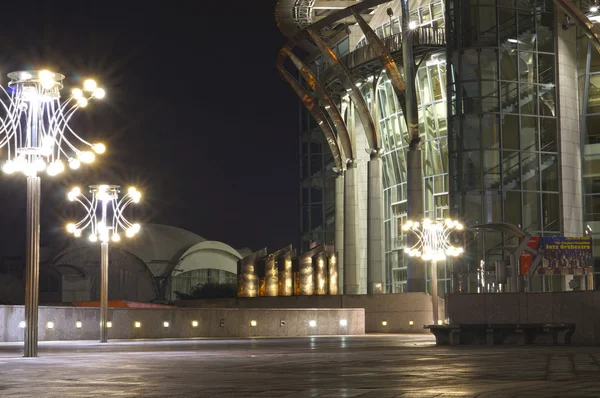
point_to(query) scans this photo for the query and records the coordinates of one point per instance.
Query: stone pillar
(375, 248)
(415, 271)
(339, 229)
(351, 254)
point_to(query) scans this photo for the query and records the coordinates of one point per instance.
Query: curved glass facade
(504, 154)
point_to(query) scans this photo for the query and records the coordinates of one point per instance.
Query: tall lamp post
(433, 244)
(104, 219)
(35, 132)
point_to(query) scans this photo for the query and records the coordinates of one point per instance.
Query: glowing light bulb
(115, 238)
(71, 228)
(93, 238)
(99, 93)
(74, 164)
(99, 148)
(77, 93)
(9, 167)
(412, 25)
(593, 8)
(82, 102)
(40, 165)
(86, 156)
(89, 85)
(132, 190)
(135, 228)
(77, 233)
(129, 233)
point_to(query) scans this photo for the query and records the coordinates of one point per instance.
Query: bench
(501, 333)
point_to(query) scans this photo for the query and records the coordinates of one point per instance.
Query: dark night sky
(195, 114)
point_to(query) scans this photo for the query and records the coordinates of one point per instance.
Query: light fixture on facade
(109, 324)
(312, 324)
(22, 324)
(252, 323)
(383, 323)
(412, 25)
(410, 323)
(138, 324)
(343, 322)
(165, 324)
(50, 325)
(194, 324)
(78, 324)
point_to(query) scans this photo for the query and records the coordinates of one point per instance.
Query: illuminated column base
(415, 272)
(351, 255)
(339, 230)
(32, 267)
(103, 292)
(375, 246)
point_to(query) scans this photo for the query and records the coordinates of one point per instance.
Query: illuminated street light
(36, 137)
(104, 220)
(433, 244)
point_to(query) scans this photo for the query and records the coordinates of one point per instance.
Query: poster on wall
(565, 256)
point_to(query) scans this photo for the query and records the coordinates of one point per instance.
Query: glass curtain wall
(503, 128)
(589, 90)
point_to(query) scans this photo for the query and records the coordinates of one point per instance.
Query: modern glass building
(508, 95)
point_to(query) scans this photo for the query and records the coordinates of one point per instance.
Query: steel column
(434, 292)
(103, 292)
(32, 267)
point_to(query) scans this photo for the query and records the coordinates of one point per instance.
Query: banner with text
(565, 256)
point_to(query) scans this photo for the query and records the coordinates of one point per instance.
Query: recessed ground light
(384, 323)
(50, 325)
(78, 325)
(194, 324)
(410, 323)
(252, 323)
(109, 324)
(22, 324)
(343, 322)
(166, 324)
(138, 324)
(312, 324)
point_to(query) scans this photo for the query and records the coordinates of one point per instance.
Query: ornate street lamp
(433, 244)
(36, 136)
(104, 219)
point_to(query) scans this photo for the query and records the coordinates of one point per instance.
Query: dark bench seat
(501, 333)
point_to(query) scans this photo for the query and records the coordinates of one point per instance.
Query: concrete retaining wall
(581, 308)
(212, 322)
(395, 310)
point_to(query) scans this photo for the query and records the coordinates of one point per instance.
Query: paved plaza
(377, 366)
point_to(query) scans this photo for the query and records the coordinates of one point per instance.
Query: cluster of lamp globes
(36, 160)
(433, 237)
(102, 231)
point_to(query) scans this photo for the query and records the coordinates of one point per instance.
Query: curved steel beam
(581, 20)
(348, 82)
(317, 113)
(330, 106)
(386, 60)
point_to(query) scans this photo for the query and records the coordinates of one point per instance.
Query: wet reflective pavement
(378, 366)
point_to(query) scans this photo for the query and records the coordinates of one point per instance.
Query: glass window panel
(473, 208)
(396, 26)
(471, 170)
(315, 164)
(526, 29)
(305, 219)
(594, 94)
(509, 98)
(488, 66)
(436, 83)
(471, 132)
(548, 134)
(595, 61)
(343, 47)
(545, 32)
(591, 174)
(490, 133)
(489, 96)
(316, 216)
(487, 27)
(512, 207)
(592, 207)
(511, 170)
(593, 129)
(508, 64)
(492, 207)
(531, 211)
(491, 169)
(527, 67)
(528, 99)
(529, 134)
(530, 171)
(510, 132)
(547, 102)
(507, 25)
(471, 97)
(438, 11)
(546, 68)
(550, 175)
(305, 171)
